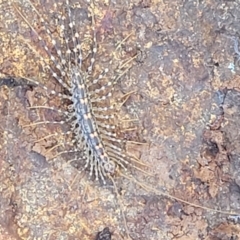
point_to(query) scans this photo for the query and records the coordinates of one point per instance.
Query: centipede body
(88, 113)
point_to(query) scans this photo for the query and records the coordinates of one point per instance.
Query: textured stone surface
(186, 82)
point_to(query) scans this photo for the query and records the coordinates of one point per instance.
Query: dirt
(186, 96)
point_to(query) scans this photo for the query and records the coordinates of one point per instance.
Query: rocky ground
(186, 98)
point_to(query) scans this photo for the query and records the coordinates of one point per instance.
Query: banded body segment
(87, 127)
